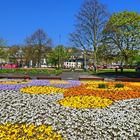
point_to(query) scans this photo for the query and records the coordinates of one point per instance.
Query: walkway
(75, 76)
(72, 75)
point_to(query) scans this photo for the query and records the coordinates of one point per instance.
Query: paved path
(75, 76)
(72, 75)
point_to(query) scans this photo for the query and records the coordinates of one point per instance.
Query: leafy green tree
(135, 60)
(3, 54)
(58, 56)
(122, 31)
(3, 49)
(13, 53)
(105, 55)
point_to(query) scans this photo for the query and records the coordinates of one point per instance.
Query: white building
(73, 64)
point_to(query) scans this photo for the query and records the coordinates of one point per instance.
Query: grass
(131, 73)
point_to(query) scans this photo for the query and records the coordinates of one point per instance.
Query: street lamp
(85, 61)
(20, 53)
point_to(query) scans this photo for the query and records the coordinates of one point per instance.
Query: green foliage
(30, 71)
(102, 86)
(119, 85)
(135, 60)
(123, 32)
(58, 55)
(105, 54)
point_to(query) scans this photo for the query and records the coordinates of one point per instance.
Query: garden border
(48, 77)
(91, 78)
(128, 79)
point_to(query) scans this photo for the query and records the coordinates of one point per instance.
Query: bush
(102, 86)
(32, 71)
(119, 85)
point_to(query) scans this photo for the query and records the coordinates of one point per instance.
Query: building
(78, 60)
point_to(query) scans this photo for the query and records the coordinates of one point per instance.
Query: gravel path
(120, 121)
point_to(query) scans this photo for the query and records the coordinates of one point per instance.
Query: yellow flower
(58, 82)
(42, 90)
(17, 132)
(93, 85)
(135, 83)
(85, 102)
(15, 82)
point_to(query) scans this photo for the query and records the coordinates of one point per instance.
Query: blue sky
(20, 18)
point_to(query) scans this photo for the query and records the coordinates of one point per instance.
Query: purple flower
(17, 87)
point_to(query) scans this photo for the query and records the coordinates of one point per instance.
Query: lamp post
(85, 61)
(21, 55)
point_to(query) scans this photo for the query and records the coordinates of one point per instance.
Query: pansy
(42, 90)
(27, 132)
(85, 102)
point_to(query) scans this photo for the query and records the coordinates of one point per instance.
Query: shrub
(119, 85)
(102, 86)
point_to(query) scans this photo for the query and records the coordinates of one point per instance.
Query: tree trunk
(95, 58)
(126, 60)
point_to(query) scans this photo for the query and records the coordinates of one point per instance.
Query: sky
(21, 18)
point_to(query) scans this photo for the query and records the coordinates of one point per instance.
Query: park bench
(1, 77)
(18, 77)
(91, 78)
(48, 77)
(128, 79)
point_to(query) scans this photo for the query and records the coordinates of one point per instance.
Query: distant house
(68, 64)
(76, 60)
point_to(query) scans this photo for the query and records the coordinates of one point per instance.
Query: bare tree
(39, 41)
(2, 42)
(90, 22)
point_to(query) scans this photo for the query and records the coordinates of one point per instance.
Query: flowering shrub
(42, 90)
(85, 102)
(27, 132)
(102, 86)
(119, 85)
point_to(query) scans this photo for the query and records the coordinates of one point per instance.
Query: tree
(135, 59)
(28, 53)
(123, 32)
(39, 41)
(90, 23)
(105, 55)
(13, 53)
(3, 53)
(58, 55)
(2, 42)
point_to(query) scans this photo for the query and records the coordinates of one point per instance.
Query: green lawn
(111, 72)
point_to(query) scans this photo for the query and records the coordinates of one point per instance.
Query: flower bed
(17, 87)
(44, 109)
(129, 91)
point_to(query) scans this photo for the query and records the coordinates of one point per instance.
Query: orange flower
(129, 91)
